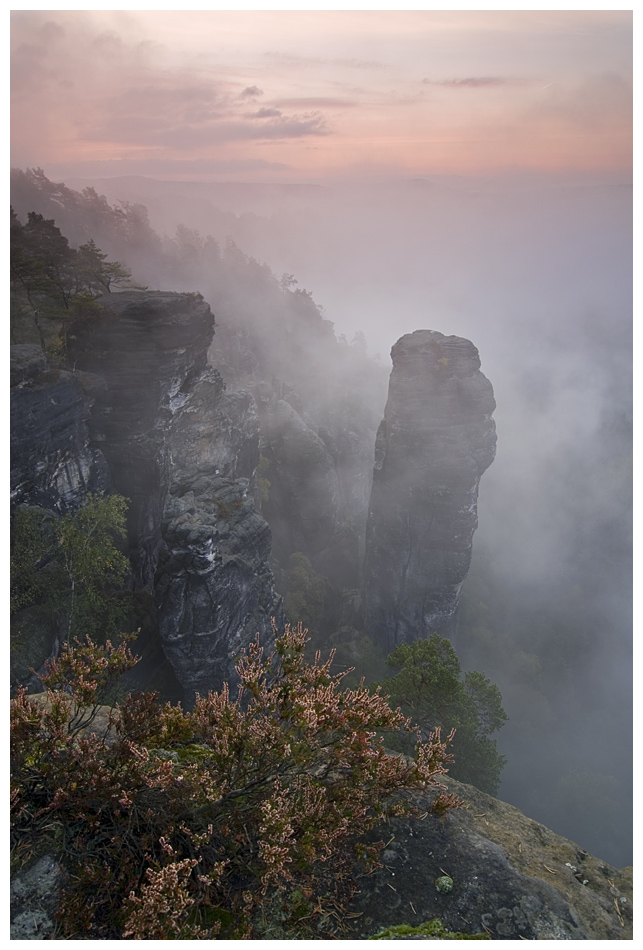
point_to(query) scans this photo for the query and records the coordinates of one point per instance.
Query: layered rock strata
(147, 346)
(184, 453)
(214, 587)
(52, 463)
(435, 441)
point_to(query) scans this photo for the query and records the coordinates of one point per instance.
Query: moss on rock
(430, 928)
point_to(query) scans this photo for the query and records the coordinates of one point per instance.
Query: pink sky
(304, 96)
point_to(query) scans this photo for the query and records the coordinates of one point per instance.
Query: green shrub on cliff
(71, 566)
(430, 689)
(240, 818)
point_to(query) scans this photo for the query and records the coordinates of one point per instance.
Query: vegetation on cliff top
(53, 283)
(240, 818)
(430, 688)
(430, 929)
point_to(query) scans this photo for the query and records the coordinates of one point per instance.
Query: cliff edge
(512, 877)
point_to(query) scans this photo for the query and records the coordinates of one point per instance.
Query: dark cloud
(251, 92)
(265, 114)
(472, 82)
(296, 127)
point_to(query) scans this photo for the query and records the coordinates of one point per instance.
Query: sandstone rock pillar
(435, 441)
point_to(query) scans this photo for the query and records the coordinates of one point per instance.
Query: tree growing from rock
(59, 283)
(430, 688)
(71, 565)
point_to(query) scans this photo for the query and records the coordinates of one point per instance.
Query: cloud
(108, 43)
(472, 82)
(184, 121)
(154, 113)
(296, 126)
(597, 103)
(191, 169)
(142, 96)
(315, 102)
(291, 59)
(264, 114)
(360, 64)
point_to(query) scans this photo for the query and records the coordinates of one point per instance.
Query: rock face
(52, 464)
(435, 441)
(214, 587)
(35, 896)
(512, 877)
(319, 477)
(184, 453)
(147, 346)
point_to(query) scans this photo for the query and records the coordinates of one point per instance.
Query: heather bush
(239, 818)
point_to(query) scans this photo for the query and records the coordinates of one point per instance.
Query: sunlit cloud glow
(341, 92)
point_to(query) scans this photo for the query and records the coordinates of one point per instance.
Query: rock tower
(435, 441)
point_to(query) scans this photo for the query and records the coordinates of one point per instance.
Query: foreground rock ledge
(512, 877)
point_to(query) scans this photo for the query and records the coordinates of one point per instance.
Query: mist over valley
(358, 354)
(538, 276)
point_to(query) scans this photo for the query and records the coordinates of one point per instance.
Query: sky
(308, 96)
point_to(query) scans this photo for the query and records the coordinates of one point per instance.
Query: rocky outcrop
(184, 453)
(511, 877)
(34, 899)
(214, 587)
(435, 441)
(319, 465)
(52, 463)
(148, 347)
